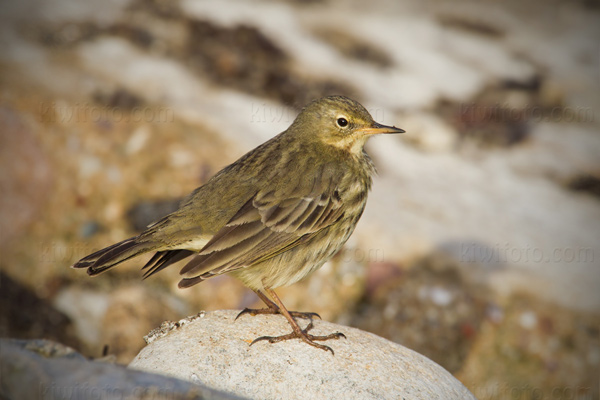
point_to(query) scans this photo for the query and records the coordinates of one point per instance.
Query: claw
(246, 311)
(304, 336)
(306, 315)
(277, 307)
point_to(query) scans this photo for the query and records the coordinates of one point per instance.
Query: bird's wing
(267, 225)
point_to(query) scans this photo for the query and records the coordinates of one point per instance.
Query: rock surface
(106, 107)
(41, 369)
(213, 349)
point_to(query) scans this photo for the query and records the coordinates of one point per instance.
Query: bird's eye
(342, 122)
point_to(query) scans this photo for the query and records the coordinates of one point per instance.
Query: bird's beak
(377, 128)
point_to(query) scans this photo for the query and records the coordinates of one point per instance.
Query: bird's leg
(296, 333)
(273, 308)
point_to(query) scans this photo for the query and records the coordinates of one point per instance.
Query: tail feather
(91, 259)
(163, 259)
(110, 256)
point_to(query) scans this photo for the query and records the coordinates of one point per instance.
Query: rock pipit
(273, 216)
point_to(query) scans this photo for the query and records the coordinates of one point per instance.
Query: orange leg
(277, 307)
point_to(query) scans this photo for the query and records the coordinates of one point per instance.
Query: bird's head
(340, 122)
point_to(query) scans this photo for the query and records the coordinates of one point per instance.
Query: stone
(25, 174)
(42, 369)
(117, 319)
(431, 306)
(539, 349)
(213, 349)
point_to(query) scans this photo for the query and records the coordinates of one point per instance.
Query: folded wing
(267, 225)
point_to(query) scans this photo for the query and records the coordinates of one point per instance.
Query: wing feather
(267, 225)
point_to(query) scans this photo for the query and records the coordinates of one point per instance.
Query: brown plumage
(272, 217)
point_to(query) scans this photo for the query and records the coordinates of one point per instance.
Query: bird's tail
(110, 256)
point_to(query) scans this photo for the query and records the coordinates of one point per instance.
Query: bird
(272, 217)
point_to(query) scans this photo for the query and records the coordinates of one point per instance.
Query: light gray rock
(213, 349)
(41, 369)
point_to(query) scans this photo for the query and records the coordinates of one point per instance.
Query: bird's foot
(269, 310)
(304, 336)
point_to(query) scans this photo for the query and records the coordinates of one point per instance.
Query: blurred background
(479, 247)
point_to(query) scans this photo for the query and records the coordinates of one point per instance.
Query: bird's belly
(293, 265)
